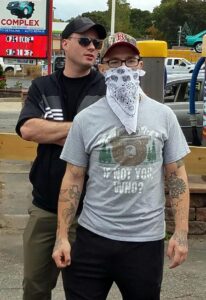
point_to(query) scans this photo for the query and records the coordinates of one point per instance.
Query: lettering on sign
(19, 22)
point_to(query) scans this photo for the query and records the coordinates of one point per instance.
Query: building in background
(57, 28)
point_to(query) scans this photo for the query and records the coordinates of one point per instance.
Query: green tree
(98, 17)
(174, 13)
(154, 156)
(122, 15)
(132, 21)
(139, 22)
(105, 155)
(153, 33)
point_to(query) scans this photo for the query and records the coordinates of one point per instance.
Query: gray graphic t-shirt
(125, 192)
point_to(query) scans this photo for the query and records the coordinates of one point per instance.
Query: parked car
(195, 41)
(9, 68)
(22, 9)
(177, 65)
(177, 97)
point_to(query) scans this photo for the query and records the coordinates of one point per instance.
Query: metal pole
(179, 35)
(204, 98)
(49, 56)
(113, 16)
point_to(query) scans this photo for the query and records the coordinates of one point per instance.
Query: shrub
(2, 78)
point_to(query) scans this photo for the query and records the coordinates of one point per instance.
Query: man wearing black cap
(46, 118)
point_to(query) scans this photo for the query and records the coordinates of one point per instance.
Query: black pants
(97, 262)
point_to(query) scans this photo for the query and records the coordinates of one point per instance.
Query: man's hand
(61, 253)
(177, 249)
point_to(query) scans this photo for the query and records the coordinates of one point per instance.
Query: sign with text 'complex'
(24, 28)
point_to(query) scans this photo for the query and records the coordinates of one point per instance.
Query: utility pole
(179, 35)
(113, 16)
(50, 19)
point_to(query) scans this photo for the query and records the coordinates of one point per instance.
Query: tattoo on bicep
(179, 163)
(176, 185)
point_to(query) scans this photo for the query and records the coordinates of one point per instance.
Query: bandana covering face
(123, 92)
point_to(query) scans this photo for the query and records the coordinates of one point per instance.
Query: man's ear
(141, 64)
(64, 43)
(102, 68)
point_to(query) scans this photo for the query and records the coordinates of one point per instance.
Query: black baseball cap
(82, 24)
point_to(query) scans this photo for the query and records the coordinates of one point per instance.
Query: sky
(66, 9)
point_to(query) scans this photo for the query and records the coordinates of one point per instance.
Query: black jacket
(46, 100)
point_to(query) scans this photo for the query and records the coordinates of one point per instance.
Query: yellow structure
(203, 54)
(188, 54)
(12, 147)
(152, 48)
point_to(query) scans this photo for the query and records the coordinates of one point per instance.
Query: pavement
(7, 107)
(9, 113)
(185, 282)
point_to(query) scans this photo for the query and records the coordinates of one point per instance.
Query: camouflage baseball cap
(119, 38)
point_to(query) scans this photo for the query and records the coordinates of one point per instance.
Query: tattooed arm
(69, 196)
(176, 180)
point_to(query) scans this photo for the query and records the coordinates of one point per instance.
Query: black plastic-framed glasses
(85, 42)
(116, 63)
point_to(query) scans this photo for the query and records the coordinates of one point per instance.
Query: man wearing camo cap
(127, 143)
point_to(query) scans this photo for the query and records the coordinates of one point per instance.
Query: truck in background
(179, 65)
(10, 68)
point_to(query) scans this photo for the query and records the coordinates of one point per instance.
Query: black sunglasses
(85, 41)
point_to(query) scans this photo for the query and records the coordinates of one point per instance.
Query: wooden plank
(195, 162)
(197, 184)
(12, 147)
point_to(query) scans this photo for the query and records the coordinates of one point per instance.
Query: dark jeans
(97, 262)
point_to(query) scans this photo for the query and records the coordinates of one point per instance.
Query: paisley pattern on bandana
(122, 85)
(123, 94)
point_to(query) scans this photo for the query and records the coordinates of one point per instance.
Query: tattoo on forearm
(69, 194)
(74, 193)
(72, 196)
(181, 238)
(176, 185)
(179, 212)
(68, 214)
